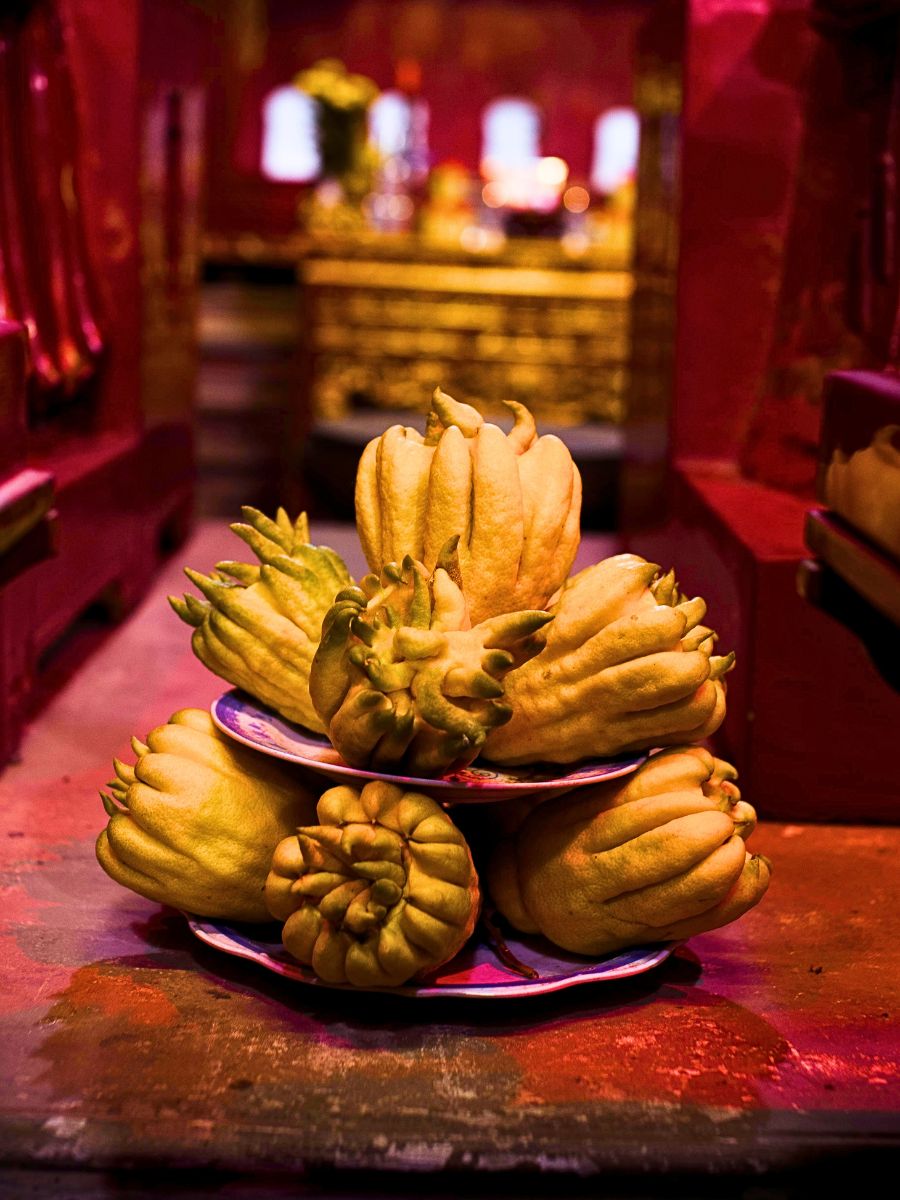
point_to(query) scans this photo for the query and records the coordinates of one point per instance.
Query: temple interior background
(486, 248)
(241, 237)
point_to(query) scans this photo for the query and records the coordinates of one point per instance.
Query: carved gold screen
(388, 319)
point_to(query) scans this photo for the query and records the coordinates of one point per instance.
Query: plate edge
(330, 769)
(512, 991)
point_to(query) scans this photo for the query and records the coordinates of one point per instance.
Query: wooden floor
(135, 1059)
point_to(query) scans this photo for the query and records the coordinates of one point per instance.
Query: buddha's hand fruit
(195, 821)
(514, 502)
(627, 665)
(259, 626)
(400, 679)
(382, 890)
(656, 857)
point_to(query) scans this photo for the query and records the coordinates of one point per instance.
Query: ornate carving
(389, 319)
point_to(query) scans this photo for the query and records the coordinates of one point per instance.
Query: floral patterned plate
(475, 973)
(247, 721)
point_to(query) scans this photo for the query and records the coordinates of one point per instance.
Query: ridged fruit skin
(195, 821)
(381, 891)
(259, 626)
(656, 857)
(403, 682)
(627, 666)
(514, 502)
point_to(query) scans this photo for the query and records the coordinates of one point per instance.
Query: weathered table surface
(769, 1045)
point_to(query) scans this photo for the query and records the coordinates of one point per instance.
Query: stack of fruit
(470, 638)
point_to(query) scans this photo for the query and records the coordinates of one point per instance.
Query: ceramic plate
(475, 973)
(243, 719)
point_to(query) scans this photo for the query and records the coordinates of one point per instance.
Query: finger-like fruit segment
(194, 822)
(623, 669)
(258, 627)
(655, 856)
(513, 500)
(381, 891)
(402, 680)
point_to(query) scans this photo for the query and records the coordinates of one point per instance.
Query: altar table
(762, 1055)
(385, 318)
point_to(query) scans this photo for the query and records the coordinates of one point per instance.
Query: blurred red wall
(574, 58)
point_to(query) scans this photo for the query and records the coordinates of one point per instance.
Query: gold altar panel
(386, 320)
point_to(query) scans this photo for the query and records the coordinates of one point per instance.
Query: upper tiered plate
(245, 720)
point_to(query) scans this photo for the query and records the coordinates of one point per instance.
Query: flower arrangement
(342, 100)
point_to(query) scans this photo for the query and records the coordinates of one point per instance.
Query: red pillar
(774, 157)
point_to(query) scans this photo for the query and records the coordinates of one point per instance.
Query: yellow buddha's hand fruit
(402, 681)
(655, 857)
(627, 666)
(259, 626)
(195, 821)
(514, 502)
(382, 890)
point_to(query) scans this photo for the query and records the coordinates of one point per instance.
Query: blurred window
(390, 124)
(616, 137)
(510, 133)
(290, 152)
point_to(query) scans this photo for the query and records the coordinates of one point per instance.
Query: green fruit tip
(357, 595)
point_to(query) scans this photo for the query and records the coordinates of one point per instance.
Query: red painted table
(771, 1045)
